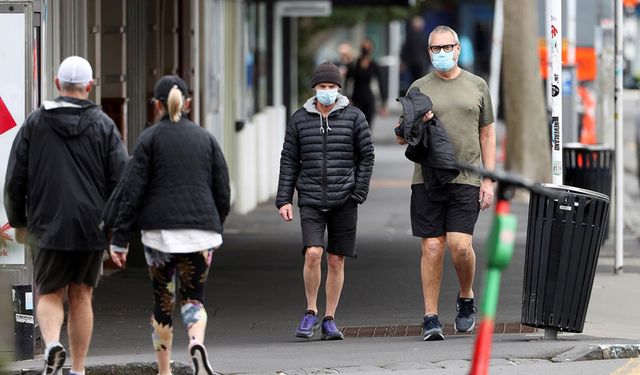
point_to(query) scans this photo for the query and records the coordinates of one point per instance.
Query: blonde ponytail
(174, 104)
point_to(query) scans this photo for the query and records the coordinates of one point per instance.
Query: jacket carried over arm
(177, 179)
(327, 160)
(65, 161)
(428, 143)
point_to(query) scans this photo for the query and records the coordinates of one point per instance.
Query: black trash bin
(564, 234)
(588, 167)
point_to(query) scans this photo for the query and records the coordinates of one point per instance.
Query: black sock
(327, 318)
(310, 312)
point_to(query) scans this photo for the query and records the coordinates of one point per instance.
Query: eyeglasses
(447, 48)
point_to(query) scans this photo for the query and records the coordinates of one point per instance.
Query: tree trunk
(528, 143)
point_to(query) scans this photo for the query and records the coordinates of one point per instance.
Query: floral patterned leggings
(189, 271)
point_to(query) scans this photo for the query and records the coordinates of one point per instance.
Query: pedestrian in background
(413, 60)
(65, 161)
(177, 191)
(345, 58)
(327, 157)
(446, 217)
(361, 73)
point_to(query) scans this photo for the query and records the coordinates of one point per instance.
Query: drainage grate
(416, 330)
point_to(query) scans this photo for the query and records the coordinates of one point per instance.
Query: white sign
(22, 318)
(28, 301)
(12, 93)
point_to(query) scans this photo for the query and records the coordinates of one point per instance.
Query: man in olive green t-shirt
(447, 216)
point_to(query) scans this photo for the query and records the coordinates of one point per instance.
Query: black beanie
(326, 73)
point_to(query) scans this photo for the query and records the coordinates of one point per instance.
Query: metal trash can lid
(577, 190)
(596, 147)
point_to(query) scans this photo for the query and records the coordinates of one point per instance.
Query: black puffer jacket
(65, 162)
(177, 179)
(328, 161)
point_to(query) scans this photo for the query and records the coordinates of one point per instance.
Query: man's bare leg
(335, 281)
(312, 274)
(80, 325)
(431, 264)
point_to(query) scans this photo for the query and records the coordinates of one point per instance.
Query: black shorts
(55, 269)
(453, 208)
(340, 223)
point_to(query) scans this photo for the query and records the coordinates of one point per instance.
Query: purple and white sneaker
(308, 325)
(330, 331)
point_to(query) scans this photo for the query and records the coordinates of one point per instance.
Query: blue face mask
(327, 97)
(442, 61)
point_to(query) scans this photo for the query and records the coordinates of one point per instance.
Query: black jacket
(177, 179)
(328, 160)
(428, 144)
(65, 162)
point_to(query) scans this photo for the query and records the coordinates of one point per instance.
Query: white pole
(555, 80)
(496, 54)
(554, 87)
(619, 149)
(571, 32)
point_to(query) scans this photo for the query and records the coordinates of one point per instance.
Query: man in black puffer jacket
(327, 157)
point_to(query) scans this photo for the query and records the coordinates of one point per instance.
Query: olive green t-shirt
(463, 105)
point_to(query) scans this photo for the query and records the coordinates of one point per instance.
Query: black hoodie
(65, 161)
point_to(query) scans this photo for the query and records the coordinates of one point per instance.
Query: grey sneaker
(466, 318)
(432, 329)
(54, 360)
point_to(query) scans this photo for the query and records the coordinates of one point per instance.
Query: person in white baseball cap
(75, 77)
(73, 155)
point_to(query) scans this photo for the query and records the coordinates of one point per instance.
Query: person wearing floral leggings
(176, 189)
(169, 273)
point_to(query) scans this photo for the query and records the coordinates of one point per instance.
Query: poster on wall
(12, 114)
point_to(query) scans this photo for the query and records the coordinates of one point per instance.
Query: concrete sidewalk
(255, 299)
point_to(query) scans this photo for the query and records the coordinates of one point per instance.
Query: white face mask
(327, 97)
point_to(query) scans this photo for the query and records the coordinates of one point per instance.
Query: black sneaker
(466, 318)
(54, 360)
(432, 329)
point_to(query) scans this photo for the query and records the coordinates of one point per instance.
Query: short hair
(443, 29)
(78, 87)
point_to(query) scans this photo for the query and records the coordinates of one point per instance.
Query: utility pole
(496, 54)
(619, 148)
(554, 80)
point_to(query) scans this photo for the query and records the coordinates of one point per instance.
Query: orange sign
(585, 60)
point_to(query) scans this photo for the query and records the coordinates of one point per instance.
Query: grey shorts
(55, 269)
(340, 224)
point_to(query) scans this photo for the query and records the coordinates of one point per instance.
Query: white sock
(76, 373)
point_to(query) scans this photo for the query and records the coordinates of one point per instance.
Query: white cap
(75, 69)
